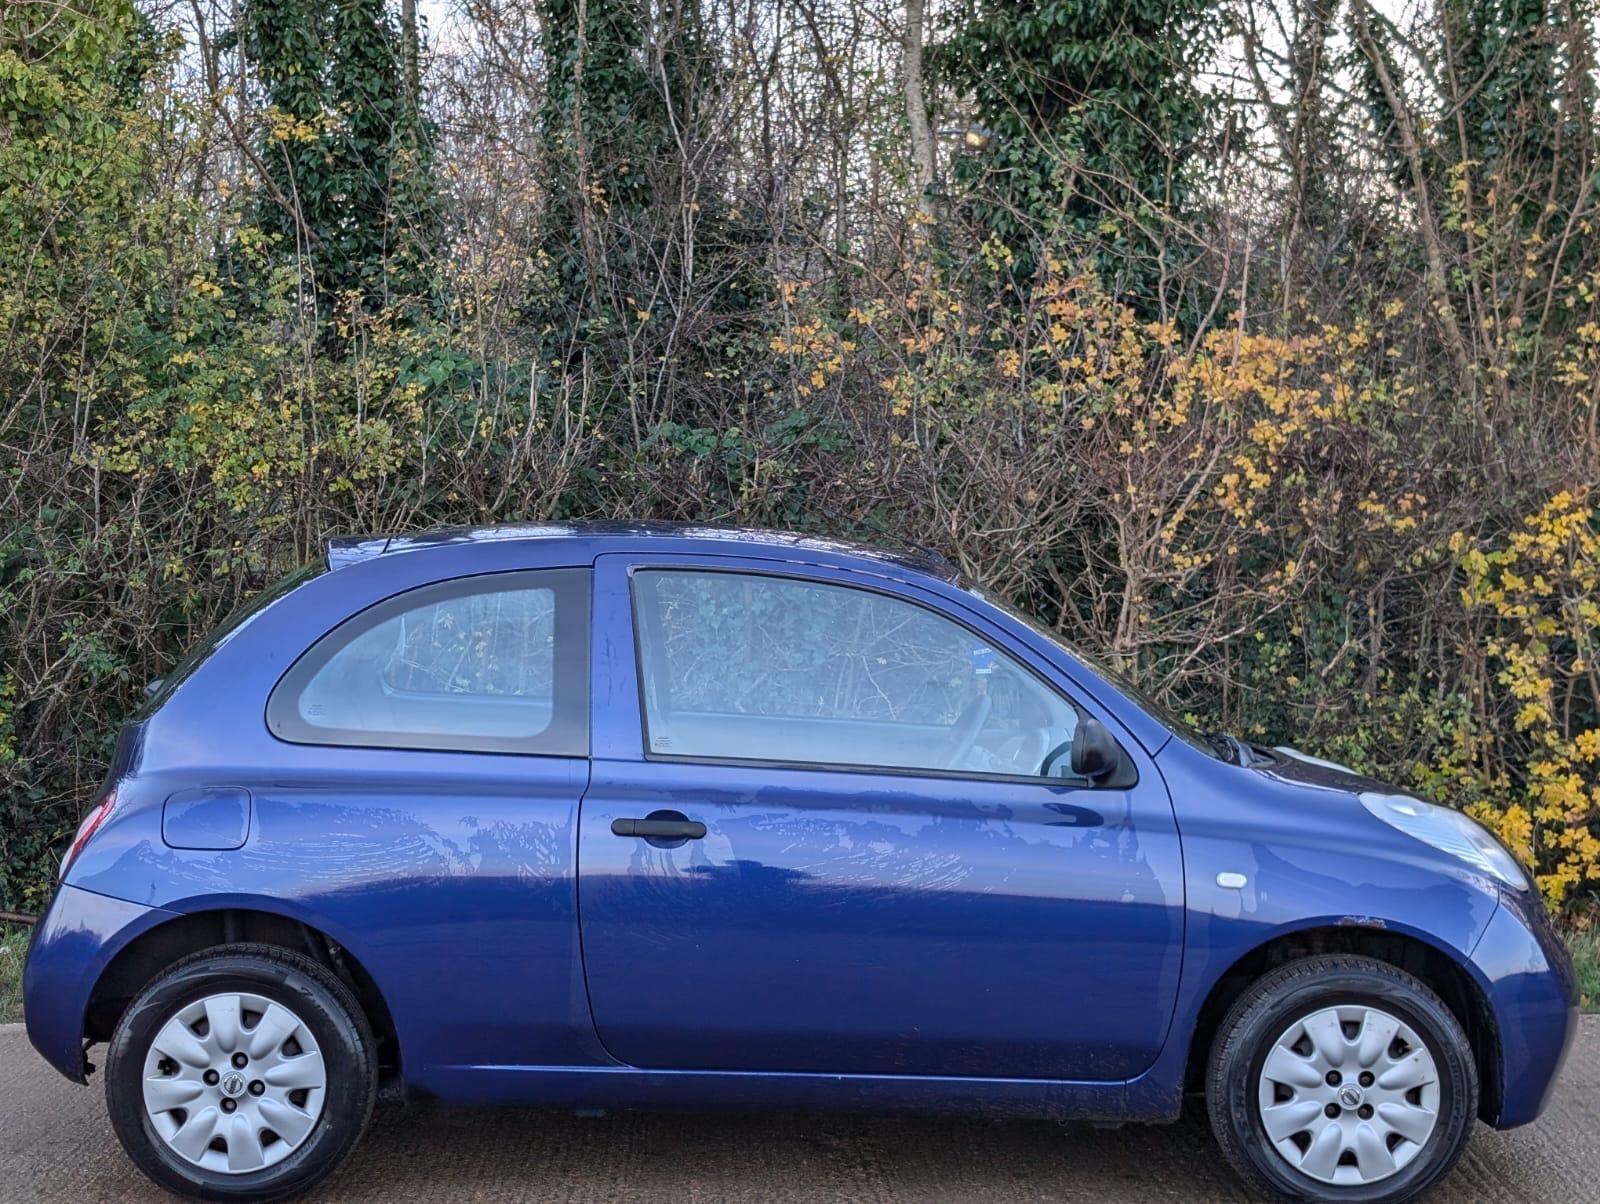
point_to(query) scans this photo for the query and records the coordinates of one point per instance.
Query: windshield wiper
(1232, 748)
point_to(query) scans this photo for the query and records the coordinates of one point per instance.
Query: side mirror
(1097, 756)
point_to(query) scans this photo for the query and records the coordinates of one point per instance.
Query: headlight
(1449, 832)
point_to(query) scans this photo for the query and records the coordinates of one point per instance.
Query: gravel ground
(56, 1145)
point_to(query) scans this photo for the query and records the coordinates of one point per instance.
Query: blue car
(629, 815)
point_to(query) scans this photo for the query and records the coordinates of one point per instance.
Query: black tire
(1262, 1014)
(326, 1007)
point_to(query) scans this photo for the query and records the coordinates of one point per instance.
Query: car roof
(354, 549)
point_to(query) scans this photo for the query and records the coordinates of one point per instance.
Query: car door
(430, 805)
(817, 838)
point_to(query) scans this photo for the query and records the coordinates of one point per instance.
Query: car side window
(497, 663)
(743, 666)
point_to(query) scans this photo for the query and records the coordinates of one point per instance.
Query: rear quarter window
(497, 663)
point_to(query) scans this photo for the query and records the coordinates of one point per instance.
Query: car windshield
(1119, 681)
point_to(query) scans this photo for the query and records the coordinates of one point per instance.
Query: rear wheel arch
(158, 948)
(1441, 971)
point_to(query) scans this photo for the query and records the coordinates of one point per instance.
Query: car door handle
(659, 829)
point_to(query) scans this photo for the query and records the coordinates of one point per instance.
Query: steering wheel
(1025, 748)
(966, 728)
(1054, 755)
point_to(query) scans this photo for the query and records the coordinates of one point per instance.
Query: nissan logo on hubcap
(233, 1083)
(1350, 1097)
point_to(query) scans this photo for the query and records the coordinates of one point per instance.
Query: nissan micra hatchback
(629, 815)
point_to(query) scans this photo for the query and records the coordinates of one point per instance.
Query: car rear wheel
(1341, 1078)
(244, 1073)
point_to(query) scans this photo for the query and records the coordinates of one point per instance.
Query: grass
(1585, 946)
(13, 948)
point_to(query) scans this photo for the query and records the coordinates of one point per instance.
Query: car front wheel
(244, 1074)
(1341, 1078)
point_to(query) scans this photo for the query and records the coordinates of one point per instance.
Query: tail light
(98, 814)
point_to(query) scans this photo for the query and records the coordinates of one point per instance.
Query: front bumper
(1532, 992)
(76, 939)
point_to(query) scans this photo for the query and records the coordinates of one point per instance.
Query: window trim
(567, 734)
(905, 771)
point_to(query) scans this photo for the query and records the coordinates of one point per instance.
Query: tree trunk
(922, 153)
(1411, 147)
(411, 47)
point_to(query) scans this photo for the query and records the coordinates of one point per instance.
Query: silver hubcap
(234, 1083)
(1349, 1095)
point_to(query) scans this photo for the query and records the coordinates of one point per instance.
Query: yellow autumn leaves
(1539, 590)
(1199, 450)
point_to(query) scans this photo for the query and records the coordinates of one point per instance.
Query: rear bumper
(75, 940)
(1533, 996)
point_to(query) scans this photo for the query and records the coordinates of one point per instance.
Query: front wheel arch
(1446, 976)
(1365, 1138)
(159, 947)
